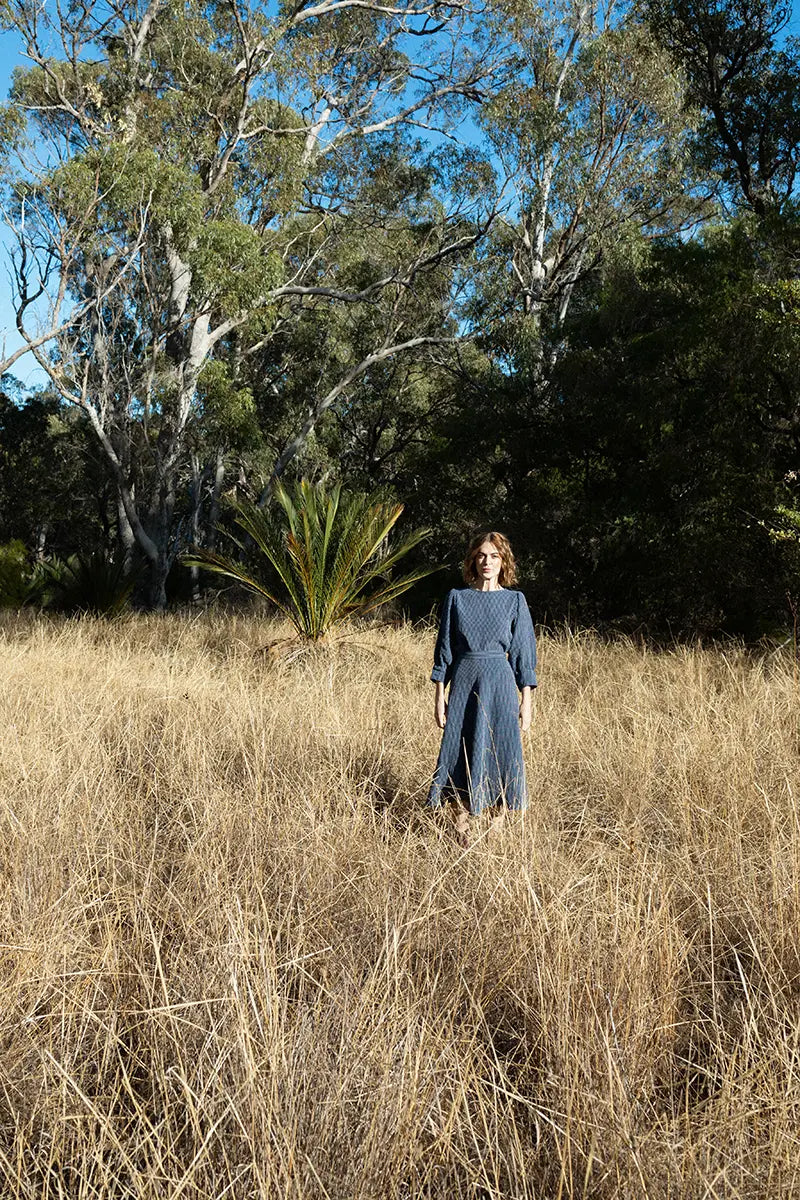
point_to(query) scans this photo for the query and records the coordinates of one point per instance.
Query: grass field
(239, 959)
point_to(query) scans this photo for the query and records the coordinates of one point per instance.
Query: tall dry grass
(238, 959)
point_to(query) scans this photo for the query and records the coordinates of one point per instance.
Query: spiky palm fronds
(93, 583)
(326, 553)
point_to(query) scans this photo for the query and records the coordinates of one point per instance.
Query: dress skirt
(480, 759)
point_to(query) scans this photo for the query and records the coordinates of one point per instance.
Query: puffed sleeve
(443, 654)
(522, 651)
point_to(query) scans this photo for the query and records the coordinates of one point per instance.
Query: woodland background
(519, 265)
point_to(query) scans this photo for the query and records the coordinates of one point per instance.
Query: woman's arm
(440, 706)
(522, 652)
(526, 708)
(442, 660)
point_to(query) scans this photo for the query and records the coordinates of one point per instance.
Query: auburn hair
(508, 569)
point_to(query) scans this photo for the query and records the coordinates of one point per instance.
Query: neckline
(486, 591)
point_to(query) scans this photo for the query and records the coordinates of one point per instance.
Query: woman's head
(489, 554)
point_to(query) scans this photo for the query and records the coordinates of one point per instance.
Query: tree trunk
(158, 581)
(213, 510)
(127, 538)
(197, 500)
(161, 535)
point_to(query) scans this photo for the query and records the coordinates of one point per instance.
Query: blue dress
(485, 650)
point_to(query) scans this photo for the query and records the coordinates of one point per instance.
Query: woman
(485, 650)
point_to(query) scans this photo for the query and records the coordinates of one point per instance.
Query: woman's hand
(525, 710)
(440, 706)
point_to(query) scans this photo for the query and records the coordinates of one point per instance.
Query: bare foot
(462, 829)
(497, 823)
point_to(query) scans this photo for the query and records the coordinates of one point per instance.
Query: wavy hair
(508, 570)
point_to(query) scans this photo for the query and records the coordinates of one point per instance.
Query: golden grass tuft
(239, 959)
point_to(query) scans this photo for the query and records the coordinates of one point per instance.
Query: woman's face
(488, 563)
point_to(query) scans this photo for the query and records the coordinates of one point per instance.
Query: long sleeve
(443, 654)
(522, 652)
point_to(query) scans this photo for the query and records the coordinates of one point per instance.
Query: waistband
(482, 654)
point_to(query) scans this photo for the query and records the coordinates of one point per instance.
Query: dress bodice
(495, 622)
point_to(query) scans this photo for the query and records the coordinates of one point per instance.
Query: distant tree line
(528, 267)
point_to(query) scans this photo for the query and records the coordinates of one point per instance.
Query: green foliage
(328, 552)
(650, 481)
(92, 583)
(54, 493)
(276, 163)
(227, 410)
(232, 267)
(747, 88)
(675, 435)
(189, 161)
(15, 575)
(785, 525)
(628, 410)
(123, 182)
(12, 128)
(592, 135)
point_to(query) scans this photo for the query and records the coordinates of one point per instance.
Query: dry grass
(238, 959)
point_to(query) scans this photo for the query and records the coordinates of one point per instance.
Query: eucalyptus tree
(589, 136)
(330, 361)
(744, 78)
(191, 179)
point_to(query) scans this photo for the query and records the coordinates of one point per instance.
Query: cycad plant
(328, 551)
(93, 583)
